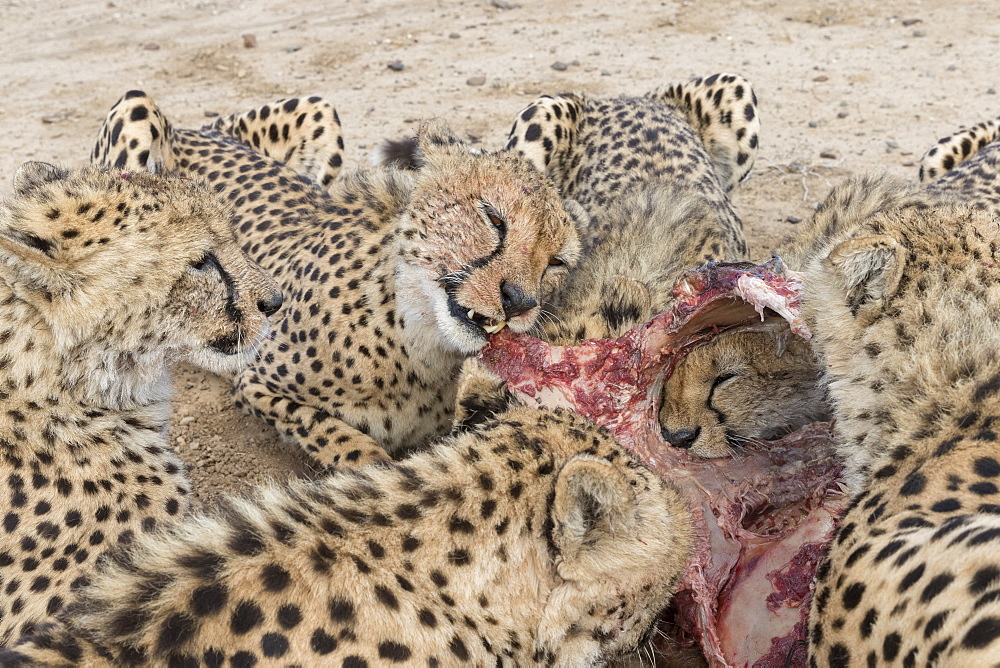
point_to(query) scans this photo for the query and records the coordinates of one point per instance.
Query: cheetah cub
(533, 540)
(105, 279)
(393, 277)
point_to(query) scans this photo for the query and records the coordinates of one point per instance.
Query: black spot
(176, 630)
(322, 643)
(853, 594)
(936, 586)
(983, 578)
(458, 648)
(393, 651)
(274, 645)
(341, 610)
(839, 656)
(245, 618)
(890, 646)
(209, 599)
(982, 634)
(914, 484)
(275, 578)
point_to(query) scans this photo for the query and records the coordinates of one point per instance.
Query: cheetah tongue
(761, 518)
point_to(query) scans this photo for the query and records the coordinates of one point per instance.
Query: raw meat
(762, 516)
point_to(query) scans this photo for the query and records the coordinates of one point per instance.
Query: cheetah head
(140, 268)
(485, 240)
(622, 537)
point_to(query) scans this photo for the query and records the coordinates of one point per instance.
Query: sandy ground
(844, 87)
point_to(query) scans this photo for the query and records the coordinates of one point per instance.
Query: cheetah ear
(33, 175)
(579, 215)
(630, 304)
(434, 137)
(871, 267)
(722, 109)
(593, 506)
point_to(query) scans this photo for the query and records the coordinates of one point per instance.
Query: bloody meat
(761, 516)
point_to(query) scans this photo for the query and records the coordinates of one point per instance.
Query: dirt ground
(844, 87)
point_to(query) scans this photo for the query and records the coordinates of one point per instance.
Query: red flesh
(761, 517)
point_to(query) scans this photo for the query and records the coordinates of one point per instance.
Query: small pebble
(475, 81)
(842, 114)
(909, 22)
(821, 78)
(396, 66)
(454, 35)
(249, 41)
(828, 155)
(559, 66)
(793, 220)
(908, 163)
(605, 73)
(186, 420)
(503, 4)
(919, 33)
(211, 114)
(292, 49)
(892, 145)
(813, 124)
(952, 68)
(152, 46)
(991, 91)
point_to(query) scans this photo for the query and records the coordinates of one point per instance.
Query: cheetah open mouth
(483, 325)
(761, 517)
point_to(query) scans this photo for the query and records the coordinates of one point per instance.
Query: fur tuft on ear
(593, 504)
(871, 267)
(32, 175)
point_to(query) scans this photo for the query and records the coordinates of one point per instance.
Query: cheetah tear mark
(762, 516)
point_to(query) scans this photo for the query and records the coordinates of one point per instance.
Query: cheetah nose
(270, 305)
(514, 301)
(682, 438)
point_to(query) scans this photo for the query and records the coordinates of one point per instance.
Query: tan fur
(951, 151)
(381, 272)
(105, 280)
(653, 173)
(534, 540)
(903, 304)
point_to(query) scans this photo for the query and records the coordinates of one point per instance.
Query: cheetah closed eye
(392, 277)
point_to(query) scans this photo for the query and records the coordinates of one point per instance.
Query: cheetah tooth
(493, 329)
(471, 314)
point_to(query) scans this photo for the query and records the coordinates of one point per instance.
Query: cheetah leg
(303, 133)
(328, 439)
(959, 147)
(481, 395)
(722, 108)
(135, 136)
(544, 133)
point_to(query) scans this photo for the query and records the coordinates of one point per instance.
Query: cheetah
(393, 277)
(903, 304)
(532, 540)
(654, 173)
(107, 278)
(966, 165)
(731, 379)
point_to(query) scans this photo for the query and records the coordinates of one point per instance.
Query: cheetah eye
(496, 220)
(556, 262)
(206, 260)
(719, 380)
